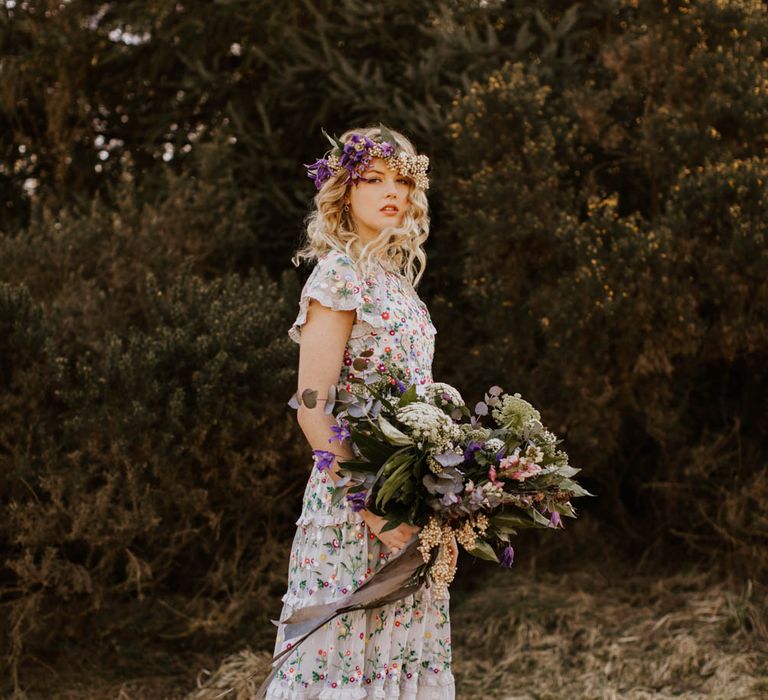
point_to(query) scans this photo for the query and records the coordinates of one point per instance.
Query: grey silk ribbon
(390, 583)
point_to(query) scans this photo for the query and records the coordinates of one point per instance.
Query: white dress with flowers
(401, 650)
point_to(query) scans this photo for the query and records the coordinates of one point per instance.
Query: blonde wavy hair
(329, 227)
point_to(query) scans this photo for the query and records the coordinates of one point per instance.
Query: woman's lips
(389, 210)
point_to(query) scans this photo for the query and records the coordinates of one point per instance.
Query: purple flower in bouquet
(402, 387)
(471, 448)
(555, 519)
(340, 431)
(508, 557)
(357, 500)
(323, 459)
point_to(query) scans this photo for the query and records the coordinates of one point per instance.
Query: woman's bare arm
(323, 339)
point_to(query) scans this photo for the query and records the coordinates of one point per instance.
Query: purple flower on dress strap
(340, 431)
(508, 557)
(357, 500)
(323, 459)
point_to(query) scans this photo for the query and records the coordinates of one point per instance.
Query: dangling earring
(346, 208)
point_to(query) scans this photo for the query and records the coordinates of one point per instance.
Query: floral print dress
(401, 650)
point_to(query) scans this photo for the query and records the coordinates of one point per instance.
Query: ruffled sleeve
(336, 283)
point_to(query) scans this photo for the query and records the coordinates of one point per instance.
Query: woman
(366, 231)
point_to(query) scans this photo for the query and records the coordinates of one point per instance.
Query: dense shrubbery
(598, 243)
(616, 226)
(145, 439)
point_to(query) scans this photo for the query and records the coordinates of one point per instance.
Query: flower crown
(358, 151)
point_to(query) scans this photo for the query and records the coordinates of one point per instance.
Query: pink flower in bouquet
(525, 472)
(492, 475)
(510, 463)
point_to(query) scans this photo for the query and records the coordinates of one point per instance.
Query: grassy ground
(593, 632)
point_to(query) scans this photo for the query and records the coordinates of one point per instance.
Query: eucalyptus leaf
(294, 401)
(449, 459)
(309, 397)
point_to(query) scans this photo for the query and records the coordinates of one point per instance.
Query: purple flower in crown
(356, 155)
(386, 148)
(319, 171)
(340, 432)
(323, 459)
(508, 557)
(357, 500)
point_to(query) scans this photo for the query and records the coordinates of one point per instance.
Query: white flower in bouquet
(514, 412)
(426, 423)
(493, 445)
(443, 395)
(476, 434)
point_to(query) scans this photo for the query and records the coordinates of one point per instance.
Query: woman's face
(380, 199)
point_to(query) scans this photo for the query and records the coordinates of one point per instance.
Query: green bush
(612, 232)
(146, 462)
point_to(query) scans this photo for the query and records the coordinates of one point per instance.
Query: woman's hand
(396, 538)
(454, 552)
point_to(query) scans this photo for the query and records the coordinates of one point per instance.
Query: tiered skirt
(400, 651)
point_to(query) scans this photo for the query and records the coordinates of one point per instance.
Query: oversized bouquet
(427, 460)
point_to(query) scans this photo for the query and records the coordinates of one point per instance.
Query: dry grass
(590, 634)
(524, 635)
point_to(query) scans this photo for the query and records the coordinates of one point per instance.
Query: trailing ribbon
(393, 581)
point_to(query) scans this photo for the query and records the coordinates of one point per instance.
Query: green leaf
(393, 483)
(511, 520)
(409, 396)
(386, 135)
(538, 518)
(334, 141)
(393, 434)
(372, 449)
(352, 466)
(483, 550)
(391, 525)
(574, 488)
